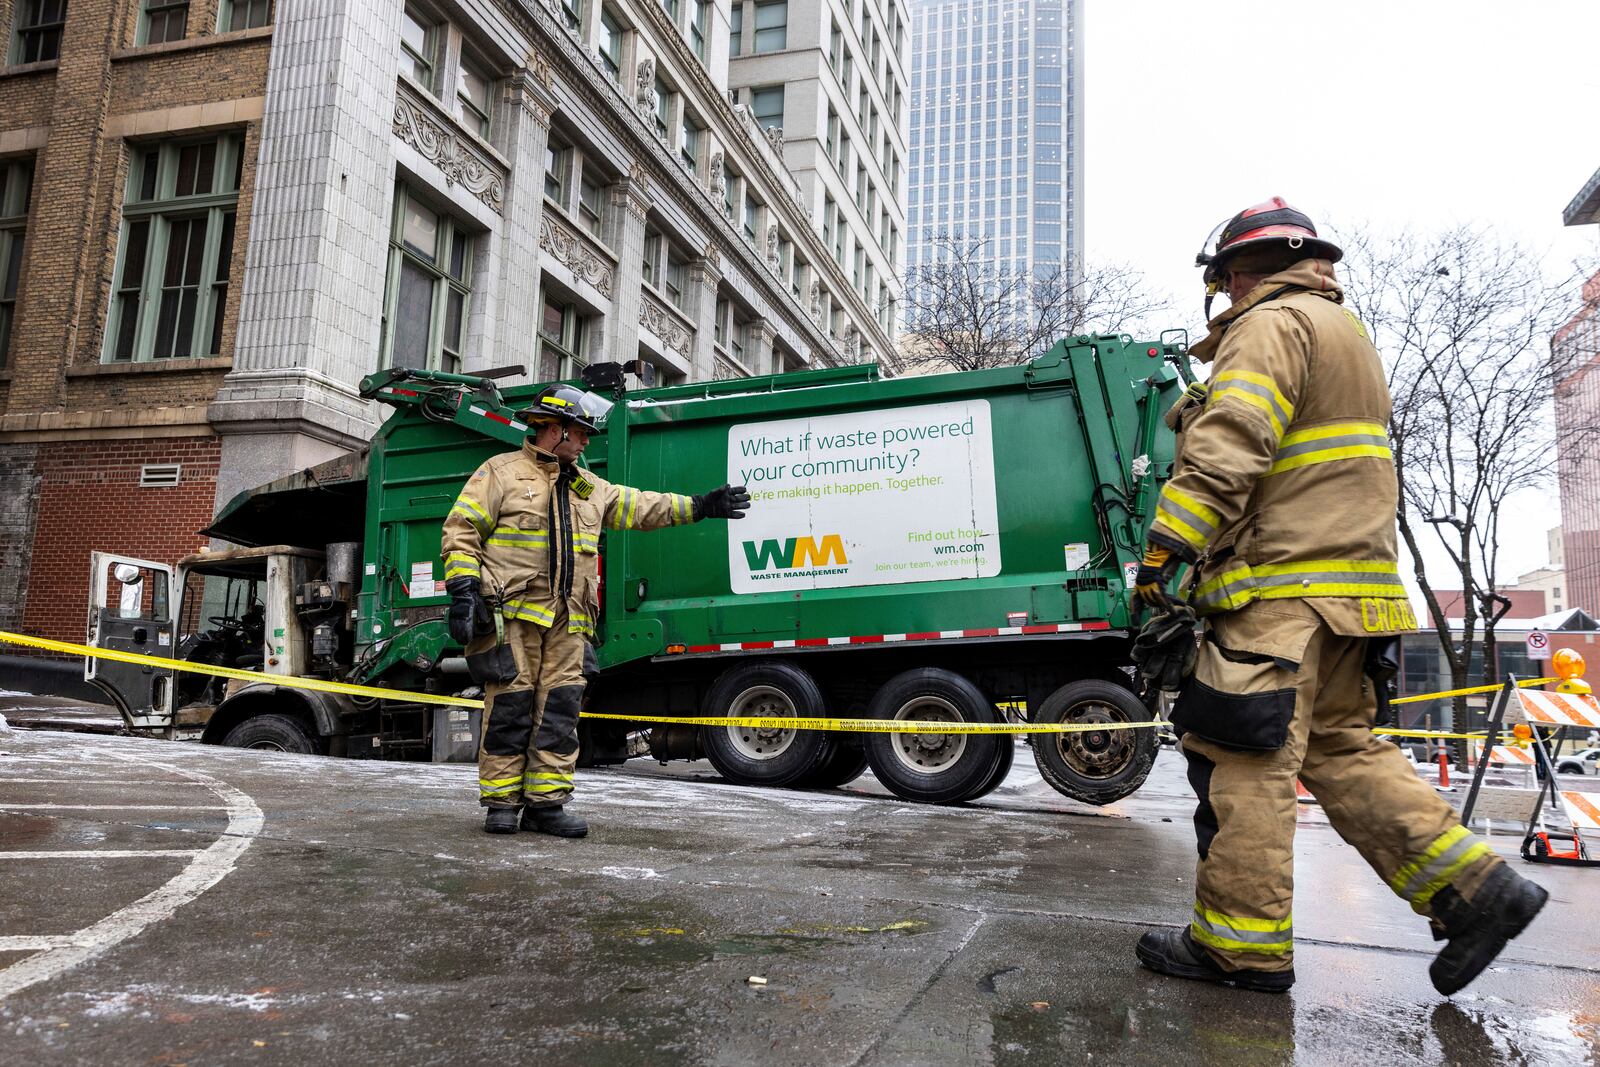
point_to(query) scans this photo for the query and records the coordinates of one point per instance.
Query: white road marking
(81, 780)
(99, 854)
(110, 807)
(36, 944)
(205, 870)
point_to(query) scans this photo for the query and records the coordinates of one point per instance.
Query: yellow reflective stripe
(1191, 520)
(1269, 937)
(1334, 441)
(679, 505)
(460, 565)
(495, 783)
(527, 611)
(472, 512)
(557, 776)
(1257, 390)
(1239, 585)
(551, 787)
(633, 509)
(499, 792)
(512, 537)
(1450, 853)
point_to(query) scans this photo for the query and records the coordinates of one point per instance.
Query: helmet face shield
(594, 408)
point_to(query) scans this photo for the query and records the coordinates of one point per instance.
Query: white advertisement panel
(865, 498)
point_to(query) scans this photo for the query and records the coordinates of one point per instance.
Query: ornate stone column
(628, 205)
(758, 347)
(528, 102)
(705, 274)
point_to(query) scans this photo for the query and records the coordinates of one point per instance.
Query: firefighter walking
(526, 530)
(1282, 501)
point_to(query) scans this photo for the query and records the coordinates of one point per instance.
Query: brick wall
(89, 499)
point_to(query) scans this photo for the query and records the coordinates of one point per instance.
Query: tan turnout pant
(530, 726)
(1242, 694)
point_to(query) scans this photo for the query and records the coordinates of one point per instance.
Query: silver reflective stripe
(1436, 867)
(1264, 581)
(1185, 516)
(1322, 444)
(1221, 929)
(1242, 386)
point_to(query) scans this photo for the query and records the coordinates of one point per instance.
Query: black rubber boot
(1174, 952)
(1477, 932)
(554, 819)
(500, 821)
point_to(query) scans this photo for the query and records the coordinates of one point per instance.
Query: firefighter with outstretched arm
(521, 550)
(1282, 501)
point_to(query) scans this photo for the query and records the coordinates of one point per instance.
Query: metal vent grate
(155, 475)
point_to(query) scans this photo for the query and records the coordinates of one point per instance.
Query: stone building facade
(216, 217)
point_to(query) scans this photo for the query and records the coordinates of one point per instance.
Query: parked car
(1584, 762)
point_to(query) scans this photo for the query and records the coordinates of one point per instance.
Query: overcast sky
(1419, 113)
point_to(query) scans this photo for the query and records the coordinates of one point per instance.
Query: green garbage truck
(944, 547)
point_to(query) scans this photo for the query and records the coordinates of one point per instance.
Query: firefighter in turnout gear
(1282, 502)
(521, 549)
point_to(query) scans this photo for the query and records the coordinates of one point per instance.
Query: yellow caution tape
(864, 726)
(317, 685)
(1524, 684)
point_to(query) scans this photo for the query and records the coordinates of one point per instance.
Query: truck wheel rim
(929, 753)
(1095, 753)
(761, 702)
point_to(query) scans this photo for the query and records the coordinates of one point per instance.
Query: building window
(772, 26)
(572, 14)
(766, 105)
(664, 268)
(419, 45)
(736, 28)
(699, 19)
(243, 14)
(163, 20)
(556, 159)
(751, 206)
(609, 47)
(38, 30)
(719, 326)
(663, 108)
(689, 146)
(429, 283)
(561, 337)
(591, 202)
(729, 197)
(16, 183)
(671, 8)
(176, 250)
(833, 134)
(472, 97)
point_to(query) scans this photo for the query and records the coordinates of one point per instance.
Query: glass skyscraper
(996, 144)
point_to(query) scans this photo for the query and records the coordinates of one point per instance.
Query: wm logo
(794, 553)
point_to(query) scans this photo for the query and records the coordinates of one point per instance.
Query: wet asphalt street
(165, 903)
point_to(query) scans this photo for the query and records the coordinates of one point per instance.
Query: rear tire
(933, 768)
(1095, 767)
(843, 764)
(750, 756)
(1002, 767)
(272, 733)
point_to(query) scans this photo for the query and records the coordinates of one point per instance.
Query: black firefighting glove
(469, 615)
(1165, 649)
(1150, 581)
(723, 502)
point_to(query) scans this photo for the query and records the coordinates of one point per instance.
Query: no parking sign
(1538, 644)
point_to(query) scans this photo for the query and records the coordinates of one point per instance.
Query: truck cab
(274, 610)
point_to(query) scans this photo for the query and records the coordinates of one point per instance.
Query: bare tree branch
(966, 311)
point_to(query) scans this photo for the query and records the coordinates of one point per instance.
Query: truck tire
(273, 733)
(933, 768)
(1002, 767)
(843, 763)
(764, 689)
(1096, 768)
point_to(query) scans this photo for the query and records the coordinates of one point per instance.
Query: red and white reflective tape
(1559, 709)
(881, 639)
(497, 417)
